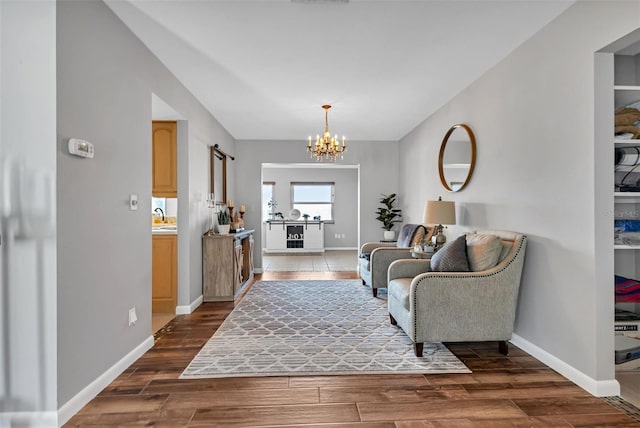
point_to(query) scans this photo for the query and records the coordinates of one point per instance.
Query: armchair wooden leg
(417, 347)
(375, 292)
(364, 282)
(392, 320)
(503, 347)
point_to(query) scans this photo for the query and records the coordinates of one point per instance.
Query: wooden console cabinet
(227, 265)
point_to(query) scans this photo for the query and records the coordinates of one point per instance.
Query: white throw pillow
(483, 251)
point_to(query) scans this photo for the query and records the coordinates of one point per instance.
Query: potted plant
(223, 222)
(388, 215)
(306, 217)
(272, 204)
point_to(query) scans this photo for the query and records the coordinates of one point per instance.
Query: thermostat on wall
(80, 147)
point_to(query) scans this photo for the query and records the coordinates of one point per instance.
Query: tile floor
(329, 261)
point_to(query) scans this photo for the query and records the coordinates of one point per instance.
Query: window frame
(332, 184)
(264, 206)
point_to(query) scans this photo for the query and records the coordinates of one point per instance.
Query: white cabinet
(294, 236)
(314, 237)
(275, 236)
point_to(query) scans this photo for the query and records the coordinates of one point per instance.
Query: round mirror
(457, 157)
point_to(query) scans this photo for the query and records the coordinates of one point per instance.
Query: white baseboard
(342, 248)
(599, 388)
(76, 403)
(186, 310)
(29, 419)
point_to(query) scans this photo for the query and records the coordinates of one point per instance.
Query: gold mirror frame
(218, 165)
(472, 164)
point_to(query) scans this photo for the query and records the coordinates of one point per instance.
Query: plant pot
(389, 235)
(223, 229)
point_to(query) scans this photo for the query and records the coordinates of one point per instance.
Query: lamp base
(440, 238)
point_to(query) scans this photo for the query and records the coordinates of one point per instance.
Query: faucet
(161, 212)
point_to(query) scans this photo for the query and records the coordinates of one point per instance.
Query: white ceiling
(264, 68)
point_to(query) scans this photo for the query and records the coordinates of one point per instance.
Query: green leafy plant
(305, 217)
(224, 217)
(387, 214)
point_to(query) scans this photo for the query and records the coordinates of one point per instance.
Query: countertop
(164, 229)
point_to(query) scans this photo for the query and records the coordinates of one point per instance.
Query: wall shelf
(626, 247)
(621, 142)
(626, 88)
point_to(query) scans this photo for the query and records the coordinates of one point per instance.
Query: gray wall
(378, 174)
(346, 198)
(533, 117)
(105, 80)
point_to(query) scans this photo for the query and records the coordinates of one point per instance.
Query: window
(267, 195)
(315, 199)
(158, 203)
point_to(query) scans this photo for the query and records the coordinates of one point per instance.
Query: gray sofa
(458, 306)
(375, 257)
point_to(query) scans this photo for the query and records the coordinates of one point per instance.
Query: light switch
(133, 202)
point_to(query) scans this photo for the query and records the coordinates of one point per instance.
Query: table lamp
(438, 213)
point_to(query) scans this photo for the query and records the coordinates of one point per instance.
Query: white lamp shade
(439, 212)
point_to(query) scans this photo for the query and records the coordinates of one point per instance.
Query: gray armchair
(375, 257)
(458, 306)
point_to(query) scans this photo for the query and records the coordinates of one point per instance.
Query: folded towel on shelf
(627, 180)
(626, 238)
(625, 136)
(629, 156)
(627, 289)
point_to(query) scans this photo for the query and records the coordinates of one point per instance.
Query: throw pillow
(452, 257)
(418, 236)
(483, 251)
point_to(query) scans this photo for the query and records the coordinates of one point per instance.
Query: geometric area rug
(295, 328)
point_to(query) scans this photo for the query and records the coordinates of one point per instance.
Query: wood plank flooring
(503, 391)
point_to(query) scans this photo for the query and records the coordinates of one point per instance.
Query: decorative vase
(389, 235)
(223, 229)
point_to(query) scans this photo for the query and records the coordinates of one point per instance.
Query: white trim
(257, 270)
(309, 165)
(342, 248)
(29, 419)
(76, 403)
(599, 388)
(186, 310)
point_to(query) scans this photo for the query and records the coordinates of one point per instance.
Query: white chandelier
(326, 146)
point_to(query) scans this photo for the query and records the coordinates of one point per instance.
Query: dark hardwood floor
(503, 391)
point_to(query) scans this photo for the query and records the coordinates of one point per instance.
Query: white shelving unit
(627, 206)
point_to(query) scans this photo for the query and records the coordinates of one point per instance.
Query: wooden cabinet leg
(503, 347)
(375, 292)
(392, 320)
(417, 347)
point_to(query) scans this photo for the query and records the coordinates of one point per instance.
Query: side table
(421, 255)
